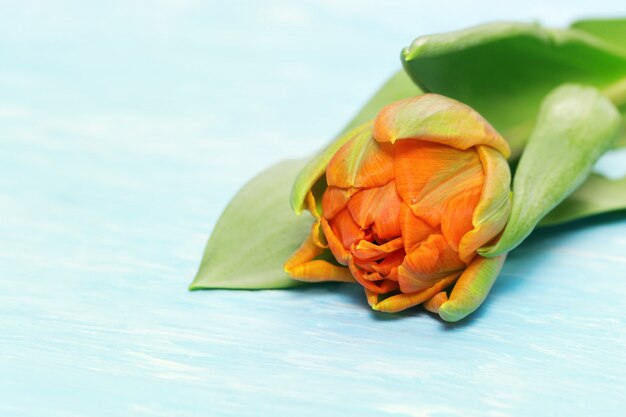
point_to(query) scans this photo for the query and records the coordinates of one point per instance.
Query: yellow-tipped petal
(307, 251)
(372, 297)
(304, 267)
(433, 304)
(319, 271)
(401, 302)
(311, 205)
(494, 206)
(436, 118)
(472, 288)
(317, 235)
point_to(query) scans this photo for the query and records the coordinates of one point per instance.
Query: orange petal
(381, 287)
(429, 174)
(346, 229)
(334, 244)
(369, 251)
(457, 218)
(494, 207)
(372, 276)
(401, 302)
(413, 229)
(360, 162)
(439, 119)
(388, 267)
(428, 263)
(388, 286)
(333, 201)
(379, 208)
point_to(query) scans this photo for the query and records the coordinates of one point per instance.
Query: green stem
(616, 92)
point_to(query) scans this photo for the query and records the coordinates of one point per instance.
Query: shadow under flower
(529, 255)
(525, 258)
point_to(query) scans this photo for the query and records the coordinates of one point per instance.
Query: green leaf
(612, 31)
(609, 30)
(255, 235)
(596, 196)
(504, 70)
(575, 126)
(398, 87)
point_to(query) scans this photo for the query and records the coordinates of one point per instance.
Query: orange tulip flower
(405, 203)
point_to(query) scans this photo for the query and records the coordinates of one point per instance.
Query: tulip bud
(402, 204)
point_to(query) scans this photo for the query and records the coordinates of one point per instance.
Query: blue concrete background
(126, 127)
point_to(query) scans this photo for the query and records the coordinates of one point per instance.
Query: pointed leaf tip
(254, 236)
(472, 288)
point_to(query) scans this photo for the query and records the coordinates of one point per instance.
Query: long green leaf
(575, 126)
(255, 235)
(610, 30)
(596, 196)
(504, 70)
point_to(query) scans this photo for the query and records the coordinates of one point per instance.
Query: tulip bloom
(404, 205)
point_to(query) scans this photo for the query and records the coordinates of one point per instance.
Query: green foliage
(575, 126)
(504, 70)
(596, 196)
(612, 31)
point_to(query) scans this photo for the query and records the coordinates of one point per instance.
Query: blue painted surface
(125, 128)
